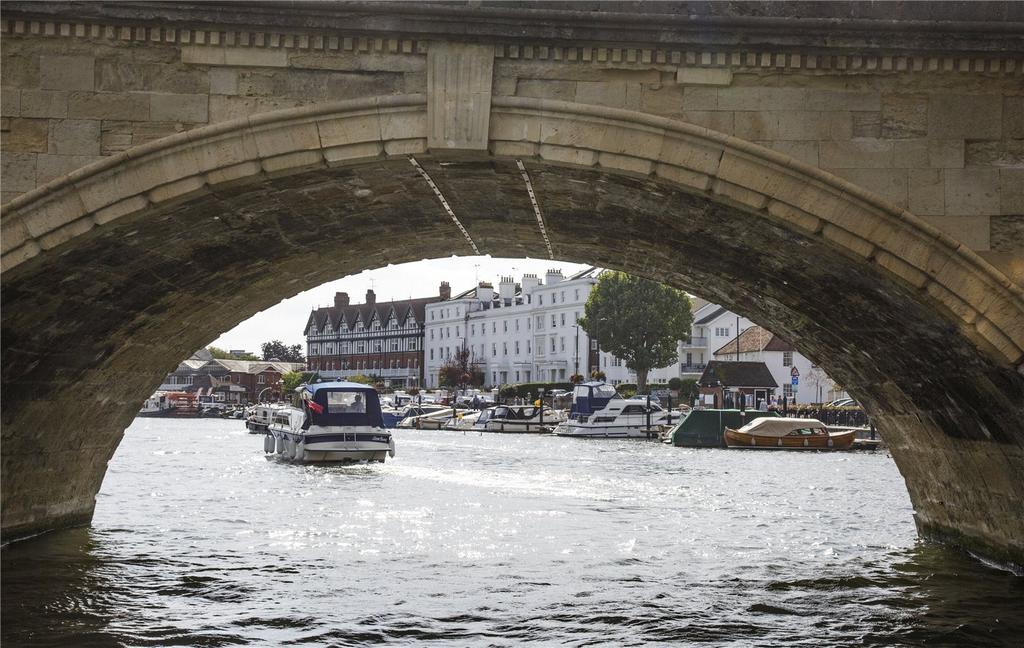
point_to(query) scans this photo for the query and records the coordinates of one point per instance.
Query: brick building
(382, 339)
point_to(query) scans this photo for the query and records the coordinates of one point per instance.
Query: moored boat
(704, 428)
(788, 434)
(522, 418)
(258, 417)
(599, 412)
(334, 422)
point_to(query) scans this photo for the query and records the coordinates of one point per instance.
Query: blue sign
(796, 380)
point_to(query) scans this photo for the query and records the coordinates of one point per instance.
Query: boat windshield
(346, 407)
(603, 391)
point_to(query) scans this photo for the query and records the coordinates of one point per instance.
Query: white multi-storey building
(713, 326)
(526, 332)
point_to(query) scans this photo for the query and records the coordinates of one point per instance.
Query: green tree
(220, 354)
(292, 379)
(278, 350)
(638, 320)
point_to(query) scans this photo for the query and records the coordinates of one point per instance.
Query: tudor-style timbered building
(383, 339)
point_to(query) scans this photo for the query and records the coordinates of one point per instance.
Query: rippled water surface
(469, 540)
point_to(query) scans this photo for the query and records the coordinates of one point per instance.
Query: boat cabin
(780, 427)
(340, 404)
(590, 397)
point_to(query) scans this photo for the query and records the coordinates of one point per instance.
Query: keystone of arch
(986, 306)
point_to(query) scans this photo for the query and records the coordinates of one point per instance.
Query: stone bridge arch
(116, 271)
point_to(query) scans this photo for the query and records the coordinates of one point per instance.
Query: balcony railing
(697, 342)
(692, 368)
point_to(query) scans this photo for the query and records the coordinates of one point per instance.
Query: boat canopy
(780, 427)
(343, 403)
(590, 397)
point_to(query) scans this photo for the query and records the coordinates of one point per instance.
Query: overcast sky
(287, 320)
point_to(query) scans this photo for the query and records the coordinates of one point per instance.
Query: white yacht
(334, 422)
(599, 411)
(434, 418)
(258, 417)
(522, 418)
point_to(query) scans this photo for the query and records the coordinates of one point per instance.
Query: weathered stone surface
(1013, 117)
(965, 116)
(66, 72)
(1008, 233)
(137, 76)
(1011, 191)
(904, 116)
(927, 192)
(972, 230)
(19, 171)
(74, 137)
(891, 184)
(223, 81)
(44, 103)
(866, 124)
(972, 191)
(50, 167)
(756, 126)
(459, 95)
(179, 107)
(704, 76)
(108, 105)
(26, 135)
(806, 152)
(355, 86)
(10, 102)
(855, 154)
(995, 153)
(237, 56)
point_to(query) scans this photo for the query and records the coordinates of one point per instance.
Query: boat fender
(391, 448)
(780, 443)
(268, 443)
(279, 445)
(830, 442)
(805, 443)
(300, 450)
(753, 441)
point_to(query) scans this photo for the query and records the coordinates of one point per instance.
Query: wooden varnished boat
(787, 434)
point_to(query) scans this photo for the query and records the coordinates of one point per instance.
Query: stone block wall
(941, 139)
(942, 136)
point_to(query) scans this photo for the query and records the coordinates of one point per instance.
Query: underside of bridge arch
(93, 320)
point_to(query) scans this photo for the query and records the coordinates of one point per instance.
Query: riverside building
(522, 332)
(378, 339)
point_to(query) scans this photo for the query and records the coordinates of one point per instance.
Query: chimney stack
(371, 297)
(446, 290)
(553, 276)
(340, 299)
(506, 290)
(485, 292)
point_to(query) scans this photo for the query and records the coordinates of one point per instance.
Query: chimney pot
(340, 299)
(371, 298)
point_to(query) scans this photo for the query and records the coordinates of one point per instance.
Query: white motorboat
(431, 420)
(335, 422)
(599, 411)
(466, 420)
(522, 418)
(258, 417)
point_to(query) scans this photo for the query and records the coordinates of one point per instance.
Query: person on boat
(358, 406)
(476, 402)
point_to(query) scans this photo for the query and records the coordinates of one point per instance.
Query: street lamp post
(577, 327)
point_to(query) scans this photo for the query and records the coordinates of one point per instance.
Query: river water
(497, 540)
